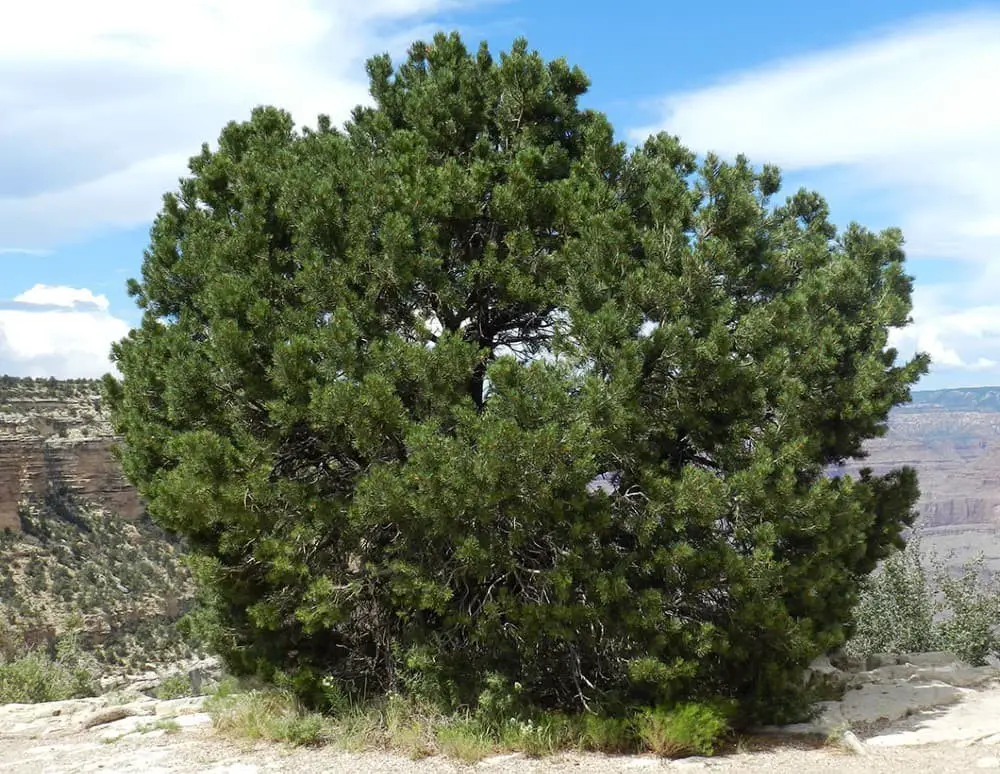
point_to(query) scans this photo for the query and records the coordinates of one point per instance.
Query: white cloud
(62, 296)
(122, 198)
(922, 87)
(963, 341)
(103, 102)
(52, 330)
(906, 123)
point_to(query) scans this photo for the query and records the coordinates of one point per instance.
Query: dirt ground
(201, 751)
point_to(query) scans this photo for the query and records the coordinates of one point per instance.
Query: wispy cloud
(103, 102)
(24, 251)
(906, 122)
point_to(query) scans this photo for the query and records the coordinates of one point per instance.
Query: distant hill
(972, 399)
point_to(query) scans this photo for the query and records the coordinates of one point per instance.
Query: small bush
(688, 729)
(606, 735)
(409, 726)
(464, 741)
(542, 735)
(36, 677)
(268, 715)
(971, 609)
(905, 609)
(174, 687)
(498, 704)
(305, 729)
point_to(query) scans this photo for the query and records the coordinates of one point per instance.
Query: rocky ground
(922, 712)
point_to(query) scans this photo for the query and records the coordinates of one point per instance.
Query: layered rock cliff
(53, 438)
(956, 452)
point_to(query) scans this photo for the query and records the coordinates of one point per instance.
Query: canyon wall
(54, 440)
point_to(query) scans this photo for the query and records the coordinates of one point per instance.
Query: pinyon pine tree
(381, 369)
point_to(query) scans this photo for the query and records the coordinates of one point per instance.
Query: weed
(541, 735)
(687, 729)
(268, 715)
(607, 735)
(174, 687)
(37, 677)
(167, 725)
(463, 740)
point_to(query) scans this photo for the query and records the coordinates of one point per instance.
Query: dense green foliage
(379, 369)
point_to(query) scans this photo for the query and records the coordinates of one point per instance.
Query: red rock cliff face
(54, 438)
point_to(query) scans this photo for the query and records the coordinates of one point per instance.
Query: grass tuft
(688, 729)
(268, 715)
(464, 740)
(167, 725)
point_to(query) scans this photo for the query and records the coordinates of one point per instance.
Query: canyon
(79, 555)
(952, 439)
(54, 439)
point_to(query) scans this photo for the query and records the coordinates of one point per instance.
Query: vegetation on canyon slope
(71, 567)
(118, 586)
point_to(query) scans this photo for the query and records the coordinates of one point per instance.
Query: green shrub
(896, 607)
(688, 729)
(174, 687)
(268, 715)
(37, 677)
(607, 734)
(903, 608)
(499, 703)
(464, 740)
(969, 609)
(542, 734)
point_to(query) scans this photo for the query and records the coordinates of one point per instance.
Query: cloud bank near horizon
(52, 330)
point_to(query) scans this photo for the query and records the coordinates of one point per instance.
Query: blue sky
(890, 109)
